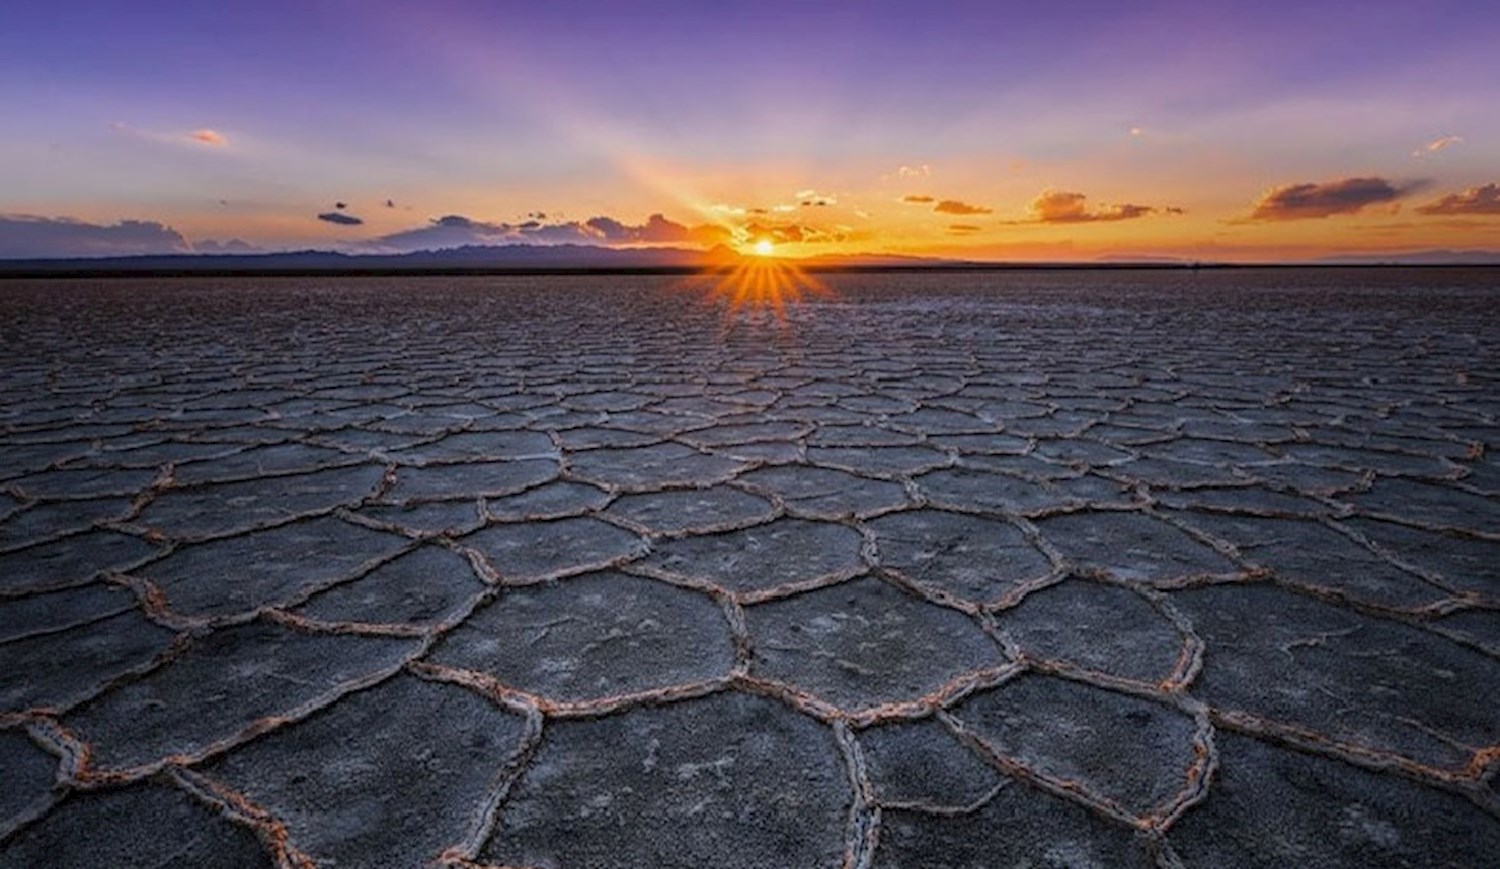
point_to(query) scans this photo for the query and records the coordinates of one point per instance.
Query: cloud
(814, 199)
(1475, 200)
(1062, 206)
(188, 138)
(1345, 196)
(212, 138)
(1437, 145)
(656, 230)
(921, 171)
(963, 228)
(340, 218)
(26, 236)
(795, 233)
(918, 200)
(455, 230)
(953, 206)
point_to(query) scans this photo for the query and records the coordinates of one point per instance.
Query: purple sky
(247, 120)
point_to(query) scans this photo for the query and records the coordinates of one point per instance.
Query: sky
(1065, 130)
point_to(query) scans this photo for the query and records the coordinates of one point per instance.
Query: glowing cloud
(212, 138)
(1303, 201)
(1437, 145)
(1475, 200)
(1061, 206)
(953, 206)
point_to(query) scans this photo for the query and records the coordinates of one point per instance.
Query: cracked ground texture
(1033, 569)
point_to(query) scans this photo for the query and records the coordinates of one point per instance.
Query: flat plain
(1115, 568)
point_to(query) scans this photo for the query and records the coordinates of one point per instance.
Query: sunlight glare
(764, 247)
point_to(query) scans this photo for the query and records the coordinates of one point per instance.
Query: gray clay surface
(1167, 569)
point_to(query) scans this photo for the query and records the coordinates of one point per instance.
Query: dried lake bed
(1115, 568)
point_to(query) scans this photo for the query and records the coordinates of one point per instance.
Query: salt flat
(990, 569)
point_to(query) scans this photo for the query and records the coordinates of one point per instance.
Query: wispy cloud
(1345, 196)
(963, 228)
(23, 236)
(1475, 200)
(1062, 206)
(915, 199)
(212, 138)
(920, 171)
(953, 206)
(201, 137)
(1437, 145)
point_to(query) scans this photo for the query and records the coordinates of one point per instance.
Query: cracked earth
(930, 571)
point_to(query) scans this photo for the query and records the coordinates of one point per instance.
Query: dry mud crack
(974, 570)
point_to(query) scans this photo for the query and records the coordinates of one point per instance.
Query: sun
(764, 247)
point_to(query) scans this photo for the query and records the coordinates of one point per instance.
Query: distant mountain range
(1417, 258)
(525, 258)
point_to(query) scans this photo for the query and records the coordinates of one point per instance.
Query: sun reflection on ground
(761, 283)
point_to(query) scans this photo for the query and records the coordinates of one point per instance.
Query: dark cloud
(340, 218)
(953, 206)
(340, 205)
(918, 200)
(1345, 196)
(656, 230)
(390, 203)
(1475, 200)
(25, 236)
(1062, 206)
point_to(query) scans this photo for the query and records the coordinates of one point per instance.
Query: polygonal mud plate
(920, 762)
(55, 669)
(971, 558)
(596, 636)
(827, 493)
(1019, 826)
(1269, 806)
(1351, 677)
(141, 825)
(1126, 749)
(763, 557)
(470, 480)
(71, 561)
(422, 587)
(1312, 554)
(646, 468)
(224, 683)
(239, 574)
(692, 510)
(532, 551)
(1133, 546)
(227, 508)
(729, 780)
(1097, 627)
(388, 776)
(865, 643)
